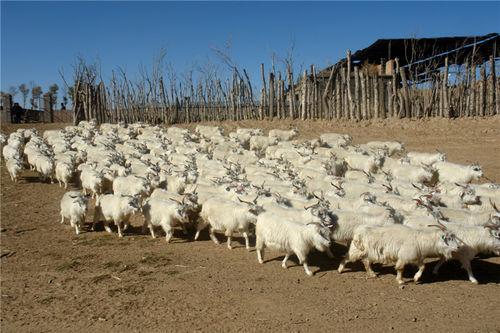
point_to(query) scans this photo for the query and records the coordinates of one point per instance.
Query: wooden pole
(492, 91)
(304, 96)
(445, 95)
(376, 110)
(357, 104)
(343, 91)
(406, 112)
(325, 106)
(271, 95)
(348, 81)
(338, 94)
(315, 112)
(291, 92)
(363, 97)
(263, 92)
(483, 91)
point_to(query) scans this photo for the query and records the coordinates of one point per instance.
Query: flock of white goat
(386, 205)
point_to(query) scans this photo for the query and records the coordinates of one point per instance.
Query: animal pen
(401, 78)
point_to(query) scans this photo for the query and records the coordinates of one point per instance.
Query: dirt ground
(53, 280)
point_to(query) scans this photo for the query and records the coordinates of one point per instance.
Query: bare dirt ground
(53, 280)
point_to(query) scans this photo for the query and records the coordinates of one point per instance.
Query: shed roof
(423, 51)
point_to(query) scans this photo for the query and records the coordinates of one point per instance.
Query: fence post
(492, 88)
(6, 116)
(48, 109)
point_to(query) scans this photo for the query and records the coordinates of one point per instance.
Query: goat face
(256, 209)
(327, 218)
(320, 236)
(476, 170)
(448, 243)
(133, 204)
(468, 196)
(182, 214)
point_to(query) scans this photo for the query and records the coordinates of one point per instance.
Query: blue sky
(39, 38)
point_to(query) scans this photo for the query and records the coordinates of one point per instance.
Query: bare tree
(25, 91)
(36, 95)
(53, 89)
(13, 91)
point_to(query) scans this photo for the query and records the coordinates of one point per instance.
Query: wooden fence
(347, 92)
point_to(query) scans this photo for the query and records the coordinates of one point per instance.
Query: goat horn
(439, 226)
(337, 187)
(491, 226)
(247, 202)
(426, 165)
(173, 199)
(315, 223)
(307, 207)
(494, 206)
(415, 186)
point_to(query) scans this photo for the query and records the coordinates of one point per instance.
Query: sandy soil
(53, 280)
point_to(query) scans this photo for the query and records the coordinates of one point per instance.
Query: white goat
(473, 240)
(364, 162)
(115, 208)
(400, 245)
(64, 173)
(417, 158)
(9, 152)
(131, 185)
(74, 207)
(260, 143)
(335, 140)
(412, 173)
(14, 167)
(282, 135)
(457, 173)
(228, 217)
(393, 147)
(290, 237)
(164, 213)
(92, 181)
(45, 166)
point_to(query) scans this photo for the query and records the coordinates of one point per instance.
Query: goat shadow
(317, 259)
(136, 230)
(484, 271)
(34, 179)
